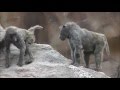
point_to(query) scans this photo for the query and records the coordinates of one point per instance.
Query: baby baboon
(83, 43)
(22, 39)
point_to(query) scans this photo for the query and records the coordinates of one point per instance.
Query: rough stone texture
(48, 63)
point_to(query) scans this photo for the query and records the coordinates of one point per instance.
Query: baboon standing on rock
(83, 43)
(22, 39)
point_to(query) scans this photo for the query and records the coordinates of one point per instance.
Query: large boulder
(48, 63)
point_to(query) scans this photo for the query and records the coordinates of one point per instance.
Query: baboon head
(64, 32)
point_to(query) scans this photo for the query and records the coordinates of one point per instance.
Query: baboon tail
(34, 28)
(107, 47)
(1, 28)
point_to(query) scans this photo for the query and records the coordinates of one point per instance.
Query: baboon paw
(20, 64)
(86, 66)
(97, 69)
(28, 62)
(72, 63)
(75, 64)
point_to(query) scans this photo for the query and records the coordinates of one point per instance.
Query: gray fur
(22, 39)
(83, 43)
(2, 35)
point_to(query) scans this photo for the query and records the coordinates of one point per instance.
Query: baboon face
(63, 32)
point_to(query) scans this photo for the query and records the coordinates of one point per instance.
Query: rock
(48, 63)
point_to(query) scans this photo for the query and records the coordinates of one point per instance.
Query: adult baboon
(22, 39)
(83, 43)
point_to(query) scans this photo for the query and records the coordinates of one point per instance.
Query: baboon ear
(62, 26)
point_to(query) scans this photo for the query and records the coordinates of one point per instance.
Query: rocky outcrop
(48, 63)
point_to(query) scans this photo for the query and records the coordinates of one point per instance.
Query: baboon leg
(77, 57)
(118, 72)
(21, 45)
(98, 56)
(72, 56)
(7, 55)
(81, 55)
(30, 55)
(21, 57)
(86, 58)
(98, 60)
(26, 52)
(72, 53)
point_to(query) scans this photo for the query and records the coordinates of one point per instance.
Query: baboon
(22, 39)
(2, 34)
(83, 43)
